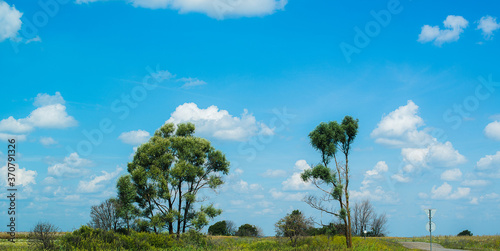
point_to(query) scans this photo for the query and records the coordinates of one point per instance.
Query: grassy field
(308, 243)
(265, 243)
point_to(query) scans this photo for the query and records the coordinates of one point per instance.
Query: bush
(87, 238)
(247, 230)
(219, 228)
(465, 233)
(42, 236)
(293, 226)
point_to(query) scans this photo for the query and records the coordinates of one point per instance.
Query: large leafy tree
(166, 174)
(333, 141)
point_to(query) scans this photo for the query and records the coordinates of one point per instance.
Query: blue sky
(256, 77)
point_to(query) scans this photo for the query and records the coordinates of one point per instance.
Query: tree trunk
(179, 220)
(349, 244)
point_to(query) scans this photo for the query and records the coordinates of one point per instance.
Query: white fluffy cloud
(219, 123)
(10, 21)
(451, 175)
(295, 182)
(401, 128)
(492, 130)
(445, 191)
(47, 141)
(70, 167)
(370, 189)
(454, 26)
(23, 176)
(51, 113)
(377, 194)
(7, 136)
(488, 25)
(218, 9)
(438, 154)
(97, 183)
(243, 187)
(135, 137)
(489, 162)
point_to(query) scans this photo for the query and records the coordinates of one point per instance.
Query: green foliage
(328, 230)
(329, 139)
(293, 226)
(465, 233)
(126, 197)
(166, 174)
(247, 230)
(218, 228)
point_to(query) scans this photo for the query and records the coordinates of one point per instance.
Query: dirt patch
(426, 246)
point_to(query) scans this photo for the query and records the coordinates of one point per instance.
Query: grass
(254, 243)
(307, 243)
(483, 243)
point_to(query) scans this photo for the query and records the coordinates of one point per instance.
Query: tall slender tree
(168, 171)
(333, 141)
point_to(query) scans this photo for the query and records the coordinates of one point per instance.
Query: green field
(201, 242)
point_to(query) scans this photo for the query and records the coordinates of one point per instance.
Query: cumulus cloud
(438, 154)
(295, 182)
(489, 162)
(10, 21)
(218, 9)
(243, 187)
(377, 194)
(451, 175)
(453, 27)
(400, 128)
(47, 141)
(419, 149)
(135, 137)
(23, 176)
(488, 25)
(96, 184)
(70, 167)
(7, 136)
(492, 130)
(51, 113)
(445, 191)
(219, 123)
(370, 189)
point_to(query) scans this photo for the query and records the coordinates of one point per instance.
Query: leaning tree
(166, 174)
(333, 141)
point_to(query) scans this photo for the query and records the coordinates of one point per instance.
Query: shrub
(247, 230)
(465, 233)
(219, 228)
(42, 236)
(293, 226)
